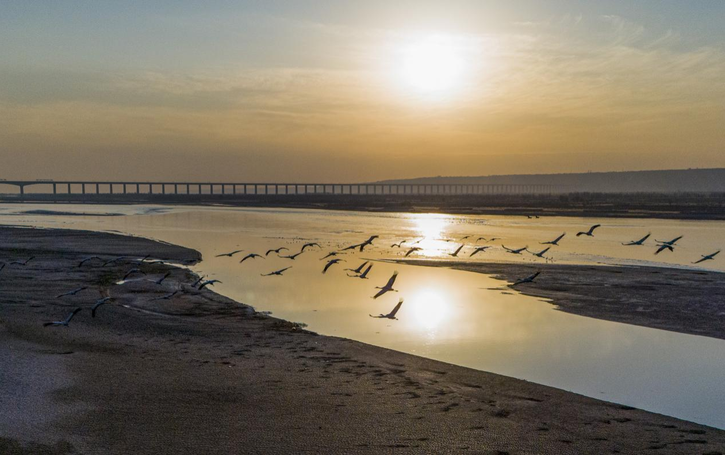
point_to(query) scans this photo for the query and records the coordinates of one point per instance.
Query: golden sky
(358, 91)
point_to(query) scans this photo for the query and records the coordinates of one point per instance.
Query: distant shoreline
(683, 206)
(205, 374)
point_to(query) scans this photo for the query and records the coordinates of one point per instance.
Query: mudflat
(200, 373)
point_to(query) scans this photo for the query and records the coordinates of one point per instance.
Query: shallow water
(459, 317)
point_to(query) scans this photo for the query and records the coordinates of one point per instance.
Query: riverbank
(200, 373)
(678, 300)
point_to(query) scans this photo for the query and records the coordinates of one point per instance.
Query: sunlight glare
(434, 64)
(429, 307)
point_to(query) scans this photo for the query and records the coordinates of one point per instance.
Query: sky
(352, 91)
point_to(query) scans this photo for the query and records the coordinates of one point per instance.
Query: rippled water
(458, 317)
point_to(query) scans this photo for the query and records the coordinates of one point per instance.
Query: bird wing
(70, 316)
(328, 265)
(365, 273)
(395, 310)
(391, 281)
(560, 237)
(458, 250)
(380, 292)
(591, 229)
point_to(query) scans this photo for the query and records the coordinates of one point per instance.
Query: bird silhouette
(73, 292)
(230, 254)
(65, 321)
(707, 257)
(528, 279)
(388, 286)
(392, 314)
(637, 242)
(555, 241)
(251, 256)
(277, 272)
(590, 232)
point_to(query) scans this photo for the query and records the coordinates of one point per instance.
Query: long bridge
(55, 189)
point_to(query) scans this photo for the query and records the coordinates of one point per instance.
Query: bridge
(81, 190)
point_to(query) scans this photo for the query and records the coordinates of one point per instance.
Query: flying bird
(364, 275)
(555, 241)
(131, 272)
(528, 279)
(111, 261)
(277, 273)
(230, 254)
(330, 263)
(2, 266)
(142, 260)
(83, 261)
(168, 296)
(455, 253)
(590, 232)
(515, 251)
(412, 250)
(398, 245)
(351, 247)
(664, 247)
(161, 280)
(332, 253)
(292, 256)
(199, 280)
(388, 286)
(73, 292)
(638, 242)
(98, 303)
(392, 314)
(64, 322)
(669, 242)
(479, 250)
(208, 283)
(359, 269)
(276, 250)
(23, 263)
(465, 237)
(309, 245)
(541, 253)
(251, 256)
(707, 257)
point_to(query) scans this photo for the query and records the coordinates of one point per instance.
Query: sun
(433, 64)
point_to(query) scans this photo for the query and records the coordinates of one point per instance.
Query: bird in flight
(465, 237)
(555, 241)
(398, 245)
(480, 249)
(277, 272)
(332, 253)
(638, 242)
(515, 251)
(251, 256)
(98, 303)
(669, 242)
(168, 296)
(528, 279)
(707, 257)
(364, 275)
(73, 292)
(590, 232)
(2, 265)
(663, 247)
(208, 283)
(388, 286)
(114, 260)
(276, 250)
(359, 269)
(392, 314)
(131, 272)
(330, 263)
(83, 261)
(292, 256)
(309, 245)
(65, 321)
(455, 253)
(23, 263)
(161, 280)
(541, 253)
(412, 250)
(199, 280)
(230, 254)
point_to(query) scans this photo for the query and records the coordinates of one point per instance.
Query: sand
(204, 374)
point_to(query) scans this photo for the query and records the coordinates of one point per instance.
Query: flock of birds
(332, 259)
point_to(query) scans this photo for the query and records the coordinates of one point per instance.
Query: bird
(637, 242)
(251, 256)
(590, 232)
(156, 262)
(364, 275)
(541, 253)
(23, 263)
(332, 253)
(230, 254)
(276, 273)
(208, 283)
(669, 242)
(398, 245)
(2, 266)
(359, 269)
(309, 245)
(131, 272)
(168, 296)
(455, 253)
(555, 241)
(493, 239)
(83, 261)
(528, 279)
(707, 257)
(199, 280)
(392, 314)
(465, 237)
(412, 250)
(664, 247)
(161, 280)
(388, 286)
(142, 260)
(98, 303)
(479, 250)
(330, 263)
(111, 261)
(480, 238)
(369, 241)
(351, 247)
(64, 322)
(73, 292)
(515, 251)
(276, 250)
(292, 256)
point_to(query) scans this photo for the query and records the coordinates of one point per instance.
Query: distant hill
(670, 181)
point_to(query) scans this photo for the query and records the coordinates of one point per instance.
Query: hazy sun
(432, 64)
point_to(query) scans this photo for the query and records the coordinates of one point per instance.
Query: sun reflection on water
(429, 307)
(430, 228)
